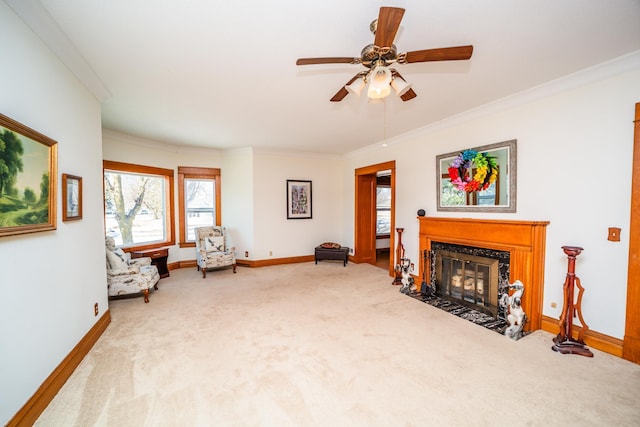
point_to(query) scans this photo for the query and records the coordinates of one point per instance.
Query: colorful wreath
(483, 167)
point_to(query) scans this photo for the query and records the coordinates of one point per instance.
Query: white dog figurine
(516, 317)
(405, 267)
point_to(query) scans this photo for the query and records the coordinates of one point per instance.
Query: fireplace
(468, 279)
(474, 260)
(474, 277)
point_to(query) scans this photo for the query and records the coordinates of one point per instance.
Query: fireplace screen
(469, 280)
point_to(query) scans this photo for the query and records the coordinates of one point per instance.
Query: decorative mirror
(480, 179)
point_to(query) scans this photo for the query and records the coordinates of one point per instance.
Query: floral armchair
(129, 276)
(212, 250)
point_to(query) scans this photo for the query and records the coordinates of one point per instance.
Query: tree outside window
(138, 204)
(199, 200)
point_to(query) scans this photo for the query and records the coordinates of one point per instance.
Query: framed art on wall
(28, 161)
(480, 179)
(71, 197)
(298, 199)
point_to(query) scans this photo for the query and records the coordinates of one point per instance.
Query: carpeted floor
(327, 345)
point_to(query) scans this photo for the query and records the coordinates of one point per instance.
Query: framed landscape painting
(28, 161)
(298, 199)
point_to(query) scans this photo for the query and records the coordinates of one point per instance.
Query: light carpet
(327, 345)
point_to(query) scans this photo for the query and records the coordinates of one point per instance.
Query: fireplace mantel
(524, 240)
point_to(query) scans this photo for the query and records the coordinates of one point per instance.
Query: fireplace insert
(469, 280)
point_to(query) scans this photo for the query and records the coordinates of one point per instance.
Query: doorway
(383, 218)
(631, 343)
(366, 181)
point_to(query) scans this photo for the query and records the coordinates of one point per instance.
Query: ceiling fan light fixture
(380, 85)
(400, 85)
(375, 56)
(356, 86)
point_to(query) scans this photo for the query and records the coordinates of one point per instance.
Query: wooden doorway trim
(364, 221)
(631, 344)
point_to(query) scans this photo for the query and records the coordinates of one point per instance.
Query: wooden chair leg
(234, 268)
(145, 292)
(204, 273)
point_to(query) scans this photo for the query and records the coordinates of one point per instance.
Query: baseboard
(592, 339)
(275, 261)
(30, 411)
(251, 263)
(182, 264)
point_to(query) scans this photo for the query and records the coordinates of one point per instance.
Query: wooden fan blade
(387, 27)
(410, 94)
(337, 60)
(339, 96)
(442, 54)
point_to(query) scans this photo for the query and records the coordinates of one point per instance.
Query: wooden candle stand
(399, 255)
(564, 342)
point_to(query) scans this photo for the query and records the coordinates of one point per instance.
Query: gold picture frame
(71, 197)
(28, 180)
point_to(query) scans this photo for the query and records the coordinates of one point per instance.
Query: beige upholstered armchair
(212, 250)
(129, 276)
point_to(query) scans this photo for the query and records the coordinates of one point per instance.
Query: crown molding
(294, 153)
(38, 19)
(605, 70)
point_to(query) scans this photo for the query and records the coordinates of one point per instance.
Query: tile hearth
(492, 323)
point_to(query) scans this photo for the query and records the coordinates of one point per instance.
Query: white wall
(283, 237)
(575, 140)
(49, 281)
(253, 194)
(237, 200)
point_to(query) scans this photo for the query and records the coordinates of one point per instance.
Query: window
(138, 205)
(450, 195)
(383, 210)
(198, 199)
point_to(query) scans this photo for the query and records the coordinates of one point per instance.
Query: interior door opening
(383, 218)
(367, 221)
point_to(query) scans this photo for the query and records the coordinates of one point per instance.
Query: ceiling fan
(378, 56)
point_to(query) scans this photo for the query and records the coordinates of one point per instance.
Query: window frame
(167, 174)
(190, 172)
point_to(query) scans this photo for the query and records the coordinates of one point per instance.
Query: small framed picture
(71, 197)
(298, 199)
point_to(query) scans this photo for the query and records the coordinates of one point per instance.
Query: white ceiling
(222, 74)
